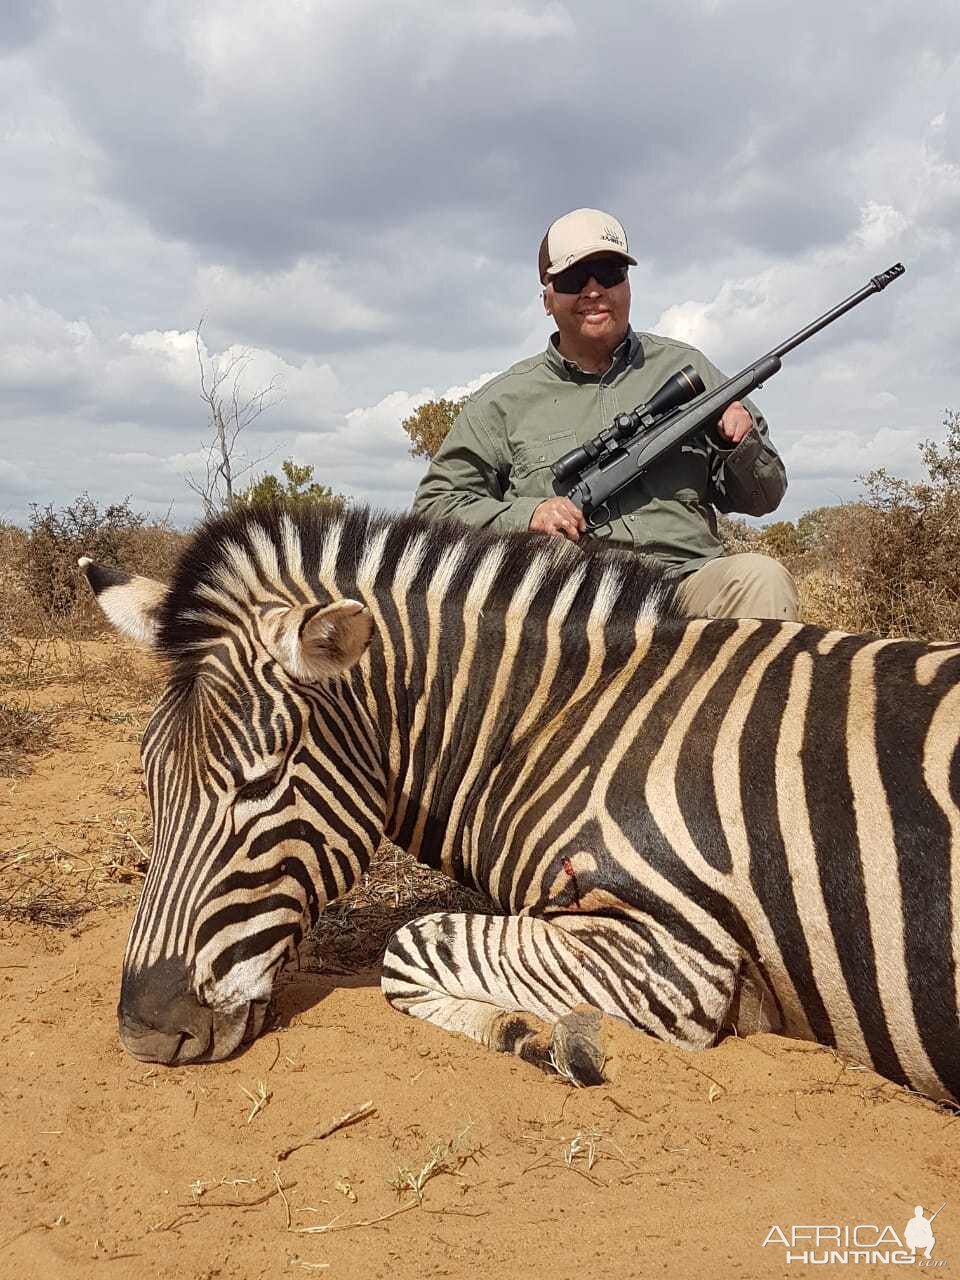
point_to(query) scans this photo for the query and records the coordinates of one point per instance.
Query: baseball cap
(578, 235)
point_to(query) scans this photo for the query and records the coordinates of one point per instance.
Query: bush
(296, 491)
(912, 566)
(889, 564)
(153, 550)
(41, 587)
(737, 536)
(16, 600)
(57, 539)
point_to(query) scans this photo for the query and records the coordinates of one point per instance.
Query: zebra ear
(132, 603)
(314, 642)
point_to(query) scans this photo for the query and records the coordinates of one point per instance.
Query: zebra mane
(245, 558)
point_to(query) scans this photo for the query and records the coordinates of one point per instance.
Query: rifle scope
(677, 390)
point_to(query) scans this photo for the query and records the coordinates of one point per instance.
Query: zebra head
(265, 776)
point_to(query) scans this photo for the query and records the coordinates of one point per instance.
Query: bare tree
(230, 411)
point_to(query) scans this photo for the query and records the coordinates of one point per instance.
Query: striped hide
(685, 824)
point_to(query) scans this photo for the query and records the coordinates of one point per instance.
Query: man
(493, 469)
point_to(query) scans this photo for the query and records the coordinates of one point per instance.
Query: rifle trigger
(594, 523)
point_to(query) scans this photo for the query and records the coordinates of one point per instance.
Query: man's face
(595, 314)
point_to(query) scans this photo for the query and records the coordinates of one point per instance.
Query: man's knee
(741, 586)
(768, 587)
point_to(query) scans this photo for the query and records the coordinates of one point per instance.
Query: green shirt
(493, 469)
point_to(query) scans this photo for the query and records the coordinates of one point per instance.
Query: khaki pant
(744, 586)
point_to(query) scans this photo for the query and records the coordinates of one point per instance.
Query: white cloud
(845, 456)
(13, 479)
(353, 197)
(752, 314)
(309, 297)
(368, 454)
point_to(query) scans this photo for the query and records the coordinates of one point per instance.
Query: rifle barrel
(876, 284)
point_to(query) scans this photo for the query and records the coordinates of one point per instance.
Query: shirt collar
(623, 355)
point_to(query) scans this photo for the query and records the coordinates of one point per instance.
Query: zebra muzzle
(160, 1020)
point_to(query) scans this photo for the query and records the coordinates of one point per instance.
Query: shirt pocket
(530, 472)
(689, 473)
(692, 501)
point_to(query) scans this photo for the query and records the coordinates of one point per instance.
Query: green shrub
(296, 490)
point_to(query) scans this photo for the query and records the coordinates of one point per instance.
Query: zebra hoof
(576, 1046)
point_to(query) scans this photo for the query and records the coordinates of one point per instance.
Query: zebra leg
(536, 987)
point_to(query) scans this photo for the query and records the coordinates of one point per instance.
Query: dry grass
(444, 1158)
(42, 882)
(24, 731)
(73, 864)
(110, 678)
(833, 599)
(258, 1099)
(42, 897)
(581, 1153)
(118, 684)
(352, 933)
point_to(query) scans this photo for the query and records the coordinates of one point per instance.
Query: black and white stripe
(686, 823)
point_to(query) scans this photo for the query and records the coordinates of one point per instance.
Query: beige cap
(578, 235)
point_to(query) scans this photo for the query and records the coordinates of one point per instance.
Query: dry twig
(259, 1099)
(350, 1117)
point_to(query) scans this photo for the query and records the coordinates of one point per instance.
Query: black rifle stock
(593, 474)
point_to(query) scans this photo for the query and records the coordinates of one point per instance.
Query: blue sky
(354, 194)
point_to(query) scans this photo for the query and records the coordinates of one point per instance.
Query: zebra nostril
(149, 1045)
(160, 1018)
(176, 1033)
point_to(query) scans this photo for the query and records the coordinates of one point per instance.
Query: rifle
(595, 472)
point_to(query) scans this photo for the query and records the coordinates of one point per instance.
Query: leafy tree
(296, 490)
(428, 426)
(781, 539)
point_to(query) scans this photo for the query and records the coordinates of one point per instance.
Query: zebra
(690, 825)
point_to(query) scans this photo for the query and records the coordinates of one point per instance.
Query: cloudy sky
(353, 194)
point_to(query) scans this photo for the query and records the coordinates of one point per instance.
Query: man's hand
(735, 423)
(559, 516)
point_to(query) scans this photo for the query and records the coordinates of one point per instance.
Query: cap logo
(611, 234)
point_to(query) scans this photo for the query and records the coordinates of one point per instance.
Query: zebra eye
(259, 788)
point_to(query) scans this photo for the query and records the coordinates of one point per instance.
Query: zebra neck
(476, 639)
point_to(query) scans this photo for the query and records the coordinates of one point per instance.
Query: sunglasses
(606, 273)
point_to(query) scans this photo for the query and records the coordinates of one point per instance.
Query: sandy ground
(680, 1166)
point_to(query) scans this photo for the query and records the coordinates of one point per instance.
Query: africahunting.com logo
(862, 1242)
